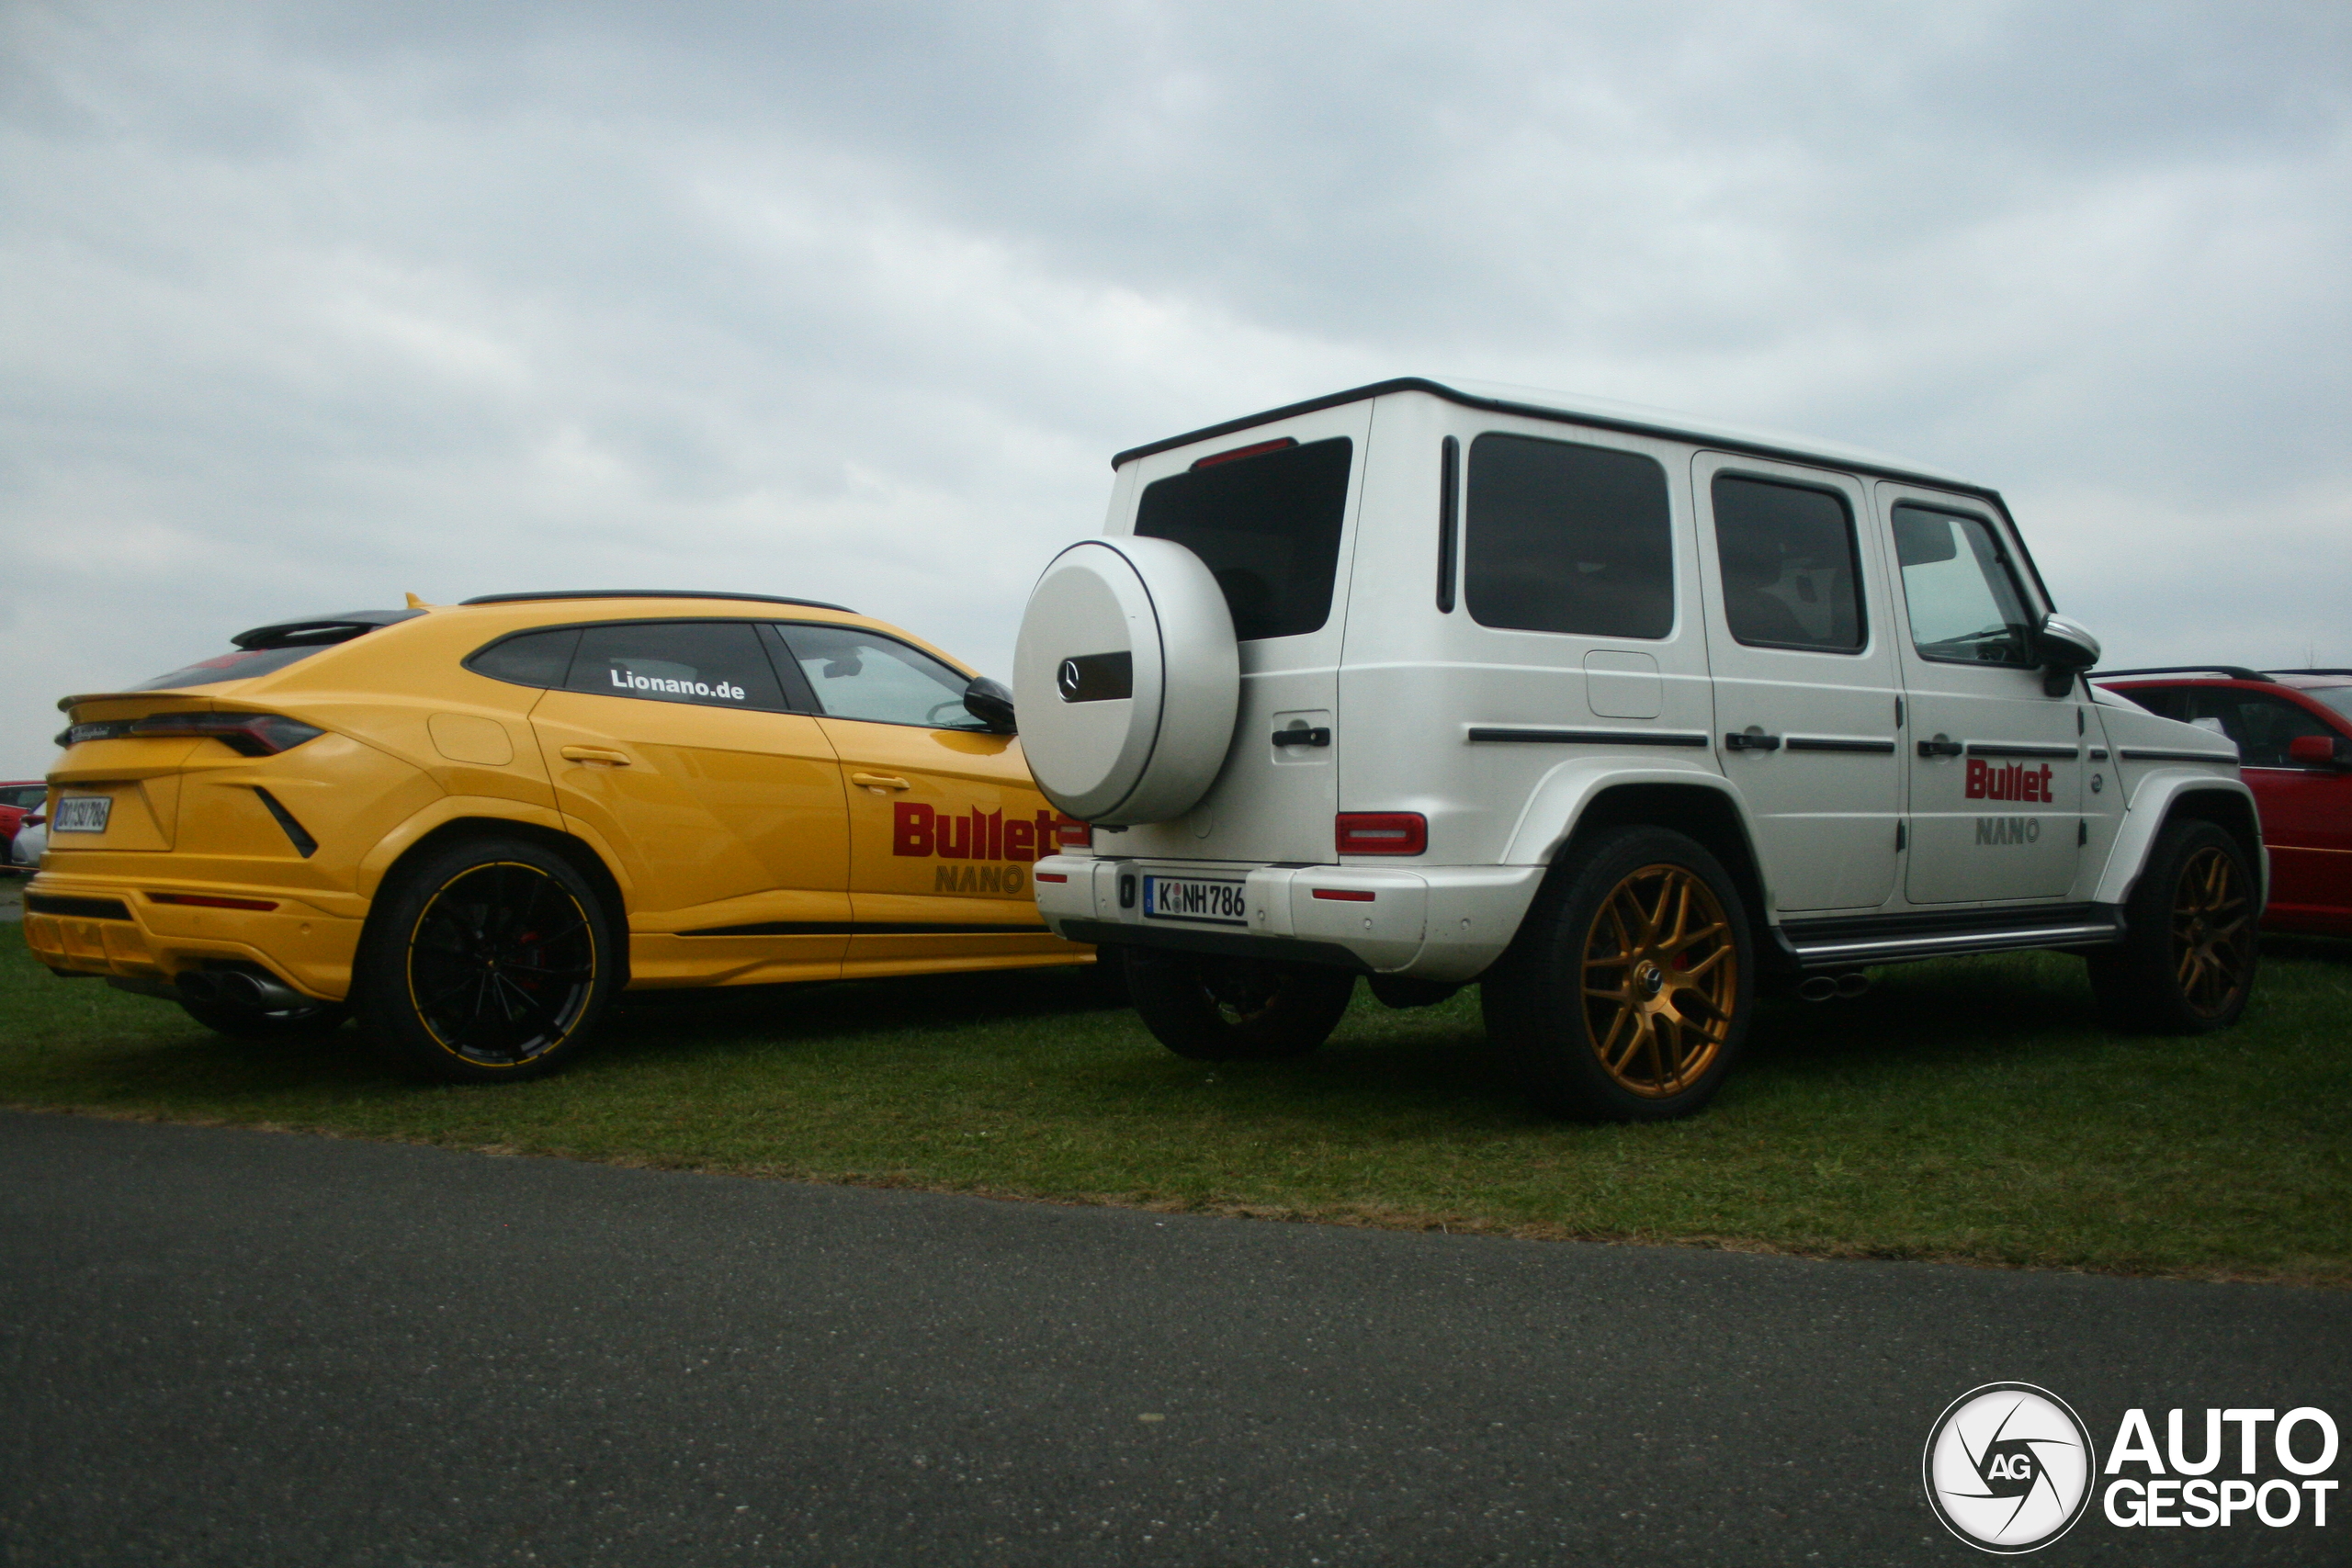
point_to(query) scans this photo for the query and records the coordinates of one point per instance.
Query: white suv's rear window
(1267, 525)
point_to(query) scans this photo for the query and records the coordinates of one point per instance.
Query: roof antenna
(416, 603)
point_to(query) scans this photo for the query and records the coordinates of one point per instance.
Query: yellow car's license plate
(82, 814)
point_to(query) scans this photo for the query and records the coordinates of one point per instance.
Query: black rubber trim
(1713, 440)
(305, 845)
(1448, 519)
(81, 908)
(2232, 672)
(1274, 949)
(1488, 734)
(862, 927)
(2151, 754)
(1829, 743)
(2004, 748)
(647, 593)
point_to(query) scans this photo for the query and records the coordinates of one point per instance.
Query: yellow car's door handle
(595, 756)
(878, 782)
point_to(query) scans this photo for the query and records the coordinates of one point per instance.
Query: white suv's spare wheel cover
(1127, 679)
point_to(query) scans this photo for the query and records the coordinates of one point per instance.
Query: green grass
(1969, 1110)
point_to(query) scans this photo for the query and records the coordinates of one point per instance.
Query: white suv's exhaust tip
(1822, 987)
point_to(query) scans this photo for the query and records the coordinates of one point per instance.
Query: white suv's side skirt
(1895, 939)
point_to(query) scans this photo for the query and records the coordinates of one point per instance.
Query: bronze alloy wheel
(2213, 932)
(1661, 979)
(502, 964)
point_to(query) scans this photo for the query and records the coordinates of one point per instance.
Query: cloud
(313, 305)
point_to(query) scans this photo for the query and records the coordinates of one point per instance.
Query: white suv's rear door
(1803, 646)
(1996, 766)
(1273, 511)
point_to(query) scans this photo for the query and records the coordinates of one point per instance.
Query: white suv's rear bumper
(1435, 922)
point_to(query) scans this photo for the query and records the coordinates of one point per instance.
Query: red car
(18, 796)
(2294, 733)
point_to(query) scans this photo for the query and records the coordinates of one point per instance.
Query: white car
(1618, 716)
(25, 850)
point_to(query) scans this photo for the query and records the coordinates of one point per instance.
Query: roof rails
(650, 594)
(2234, 671)
(2311, 671)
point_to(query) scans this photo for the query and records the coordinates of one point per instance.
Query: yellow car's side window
(857, 674)
(714, 663)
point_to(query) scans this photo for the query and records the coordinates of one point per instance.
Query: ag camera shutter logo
(2009, 1467)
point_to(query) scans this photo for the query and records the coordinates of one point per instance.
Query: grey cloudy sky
(306, 305)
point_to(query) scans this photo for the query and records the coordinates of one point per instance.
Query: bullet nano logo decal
(2009, 1467)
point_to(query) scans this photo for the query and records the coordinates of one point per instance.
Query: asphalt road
(239, 1348)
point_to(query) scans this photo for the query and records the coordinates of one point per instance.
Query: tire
(1404, 991)
(2187, 962)
(1236, 1010)
(486, 961)
(1627, 993)
(314, 1022)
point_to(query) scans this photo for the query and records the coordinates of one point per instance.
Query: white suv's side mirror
(2066, 650)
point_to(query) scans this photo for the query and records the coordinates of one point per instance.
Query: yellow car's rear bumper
(86, 925)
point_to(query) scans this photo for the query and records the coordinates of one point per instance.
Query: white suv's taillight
(1382, 833)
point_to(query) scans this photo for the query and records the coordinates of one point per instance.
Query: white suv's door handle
(879, 783)
(597, 756)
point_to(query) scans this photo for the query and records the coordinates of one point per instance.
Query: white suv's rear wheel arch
(1128, 679)
(1700, 813)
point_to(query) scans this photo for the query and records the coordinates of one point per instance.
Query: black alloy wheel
(487, 960)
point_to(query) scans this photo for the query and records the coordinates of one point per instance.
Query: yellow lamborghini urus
(471, 825)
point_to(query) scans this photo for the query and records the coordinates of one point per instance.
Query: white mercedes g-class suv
(1620, 716)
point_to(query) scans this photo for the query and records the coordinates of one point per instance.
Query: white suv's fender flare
(1559, 800)
(2153, 794)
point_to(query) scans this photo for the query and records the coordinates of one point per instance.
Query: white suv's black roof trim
(1600, 415)
(1657, 424)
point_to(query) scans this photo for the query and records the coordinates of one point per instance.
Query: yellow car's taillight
(250, 734)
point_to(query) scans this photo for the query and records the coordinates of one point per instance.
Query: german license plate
(1200, 899)
(82, 814)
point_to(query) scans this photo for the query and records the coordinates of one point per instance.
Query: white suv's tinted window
(1791, 573)
(713, 663)
(860, 675)
(1269, 528)
(1965, 608)
(1568, 538)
